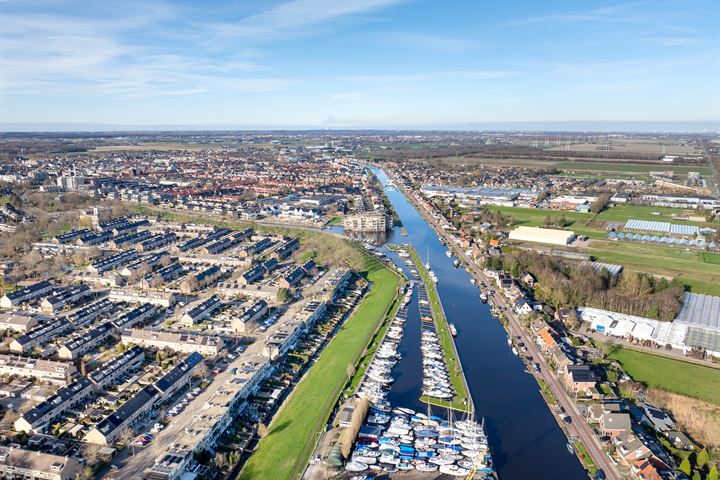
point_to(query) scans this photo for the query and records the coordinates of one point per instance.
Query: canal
(525, 437)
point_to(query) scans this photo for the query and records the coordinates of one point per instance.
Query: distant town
(326, 304)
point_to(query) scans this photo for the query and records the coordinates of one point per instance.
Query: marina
(397, 439)
(525, 439)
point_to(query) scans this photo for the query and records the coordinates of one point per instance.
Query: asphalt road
(578, 427)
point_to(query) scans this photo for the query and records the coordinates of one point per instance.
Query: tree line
(562, 285)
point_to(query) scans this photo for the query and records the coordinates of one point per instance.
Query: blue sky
(358, 63)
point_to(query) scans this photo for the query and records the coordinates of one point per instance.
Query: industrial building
(542, 235)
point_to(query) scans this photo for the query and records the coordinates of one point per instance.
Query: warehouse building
(542, 235)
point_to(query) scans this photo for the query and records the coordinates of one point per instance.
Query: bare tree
(92, 454)
(125, 436)
(85, 474)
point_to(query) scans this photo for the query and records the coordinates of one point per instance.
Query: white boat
(453, 330)
(454, 470)
(472, 280)
(515, 351)
(354, 466)
(509, 341)
(448, 253)
(483, 297)
(425, 467)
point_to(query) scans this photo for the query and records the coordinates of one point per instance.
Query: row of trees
(562, 285)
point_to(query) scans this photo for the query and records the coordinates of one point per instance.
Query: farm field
(675, 376)
(632, 146)
(697, 270)
(689, 266)
(622, 213)
(709, 257)
(162, 146)
(631, 167)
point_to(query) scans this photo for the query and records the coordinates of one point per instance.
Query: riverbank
(284, 452)
(578, 427)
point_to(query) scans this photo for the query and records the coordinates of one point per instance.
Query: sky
(344, 64)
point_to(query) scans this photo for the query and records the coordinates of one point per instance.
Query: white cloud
(294, 17)
(431, 42)
(348, 96)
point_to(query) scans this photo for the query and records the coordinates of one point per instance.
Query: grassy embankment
(292, 435)
(368, 354)
(584, 457)
(462, 395)
(697, 270)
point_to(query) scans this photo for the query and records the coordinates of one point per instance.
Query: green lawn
(671, 375)
(709, 257)
(284, 452)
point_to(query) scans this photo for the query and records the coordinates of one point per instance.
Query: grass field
(284, 452)
(708, 257)
(631, 167)
(698, 270)
(632, 145)
(670, 375)
(699, 276)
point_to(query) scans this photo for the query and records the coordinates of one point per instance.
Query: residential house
(580, 378)
(614, 424)
(18, 463)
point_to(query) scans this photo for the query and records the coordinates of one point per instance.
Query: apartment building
(107, 430)
(206, 345)
(367, 222)
(64, 297)
(79, 345)
(21, 464)
(161, 299)
(25, 294)
(201, 311)
(52, 371)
